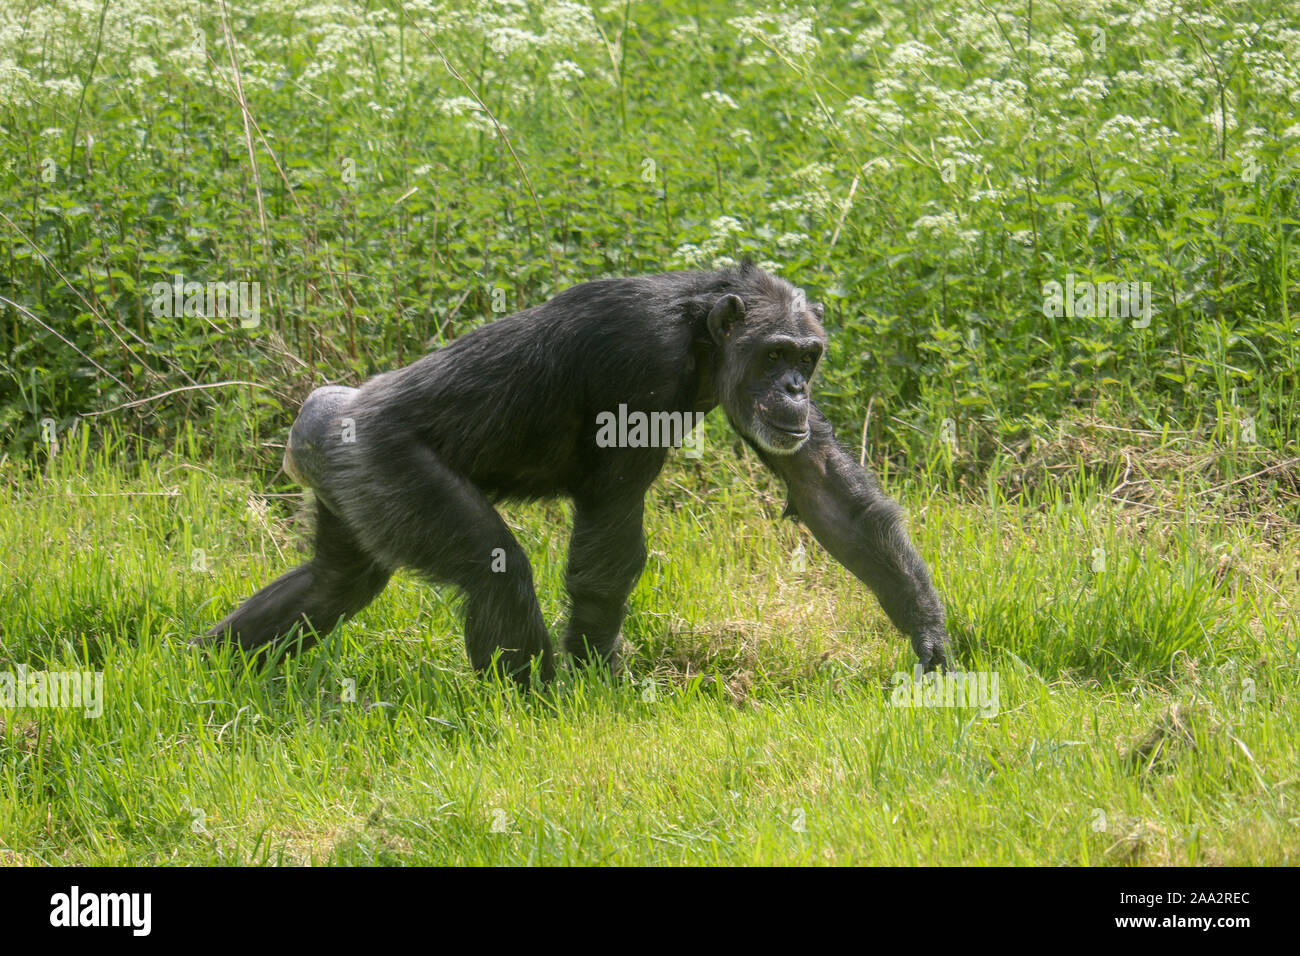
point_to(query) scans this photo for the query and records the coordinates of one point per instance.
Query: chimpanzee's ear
(817, 309)
(726, 313)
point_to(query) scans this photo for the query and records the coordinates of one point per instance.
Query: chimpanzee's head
(769, 340)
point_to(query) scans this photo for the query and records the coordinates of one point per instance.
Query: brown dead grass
(1157, 472)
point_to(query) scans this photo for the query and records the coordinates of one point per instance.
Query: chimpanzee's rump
(319, 421)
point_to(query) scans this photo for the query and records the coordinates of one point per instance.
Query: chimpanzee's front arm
(862, 528)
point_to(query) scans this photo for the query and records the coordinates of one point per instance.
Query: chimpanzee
(406, 468)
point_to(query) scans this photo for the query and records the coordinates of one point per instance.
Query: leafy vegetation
(925, 173)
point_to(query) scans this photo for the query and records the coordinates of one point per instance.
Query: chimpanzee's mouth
(801, 432)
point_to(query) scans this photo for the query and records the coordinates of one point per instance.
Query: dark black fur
(510, 411)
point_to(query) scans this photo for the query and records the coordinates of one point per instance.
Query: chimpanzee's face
(770, 350)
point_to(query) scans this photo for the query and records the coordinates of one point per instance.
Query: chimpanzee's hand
(933, 647)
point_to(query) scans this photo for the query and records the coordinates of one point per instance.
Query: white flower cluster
(722, 99)
(879, 164)
(985, 100)
(476, 120)
(944, 225)
(707, 254)
(1091, 90)
(811, 199)
(790, 33)
(565, 73)
(1151, 11)
(867, 43)
(960, 152)
(914, 58)
(512, 41)
(455, 105)
(881, 111)
(1276, 72)
(1061, 50)
(565, 26)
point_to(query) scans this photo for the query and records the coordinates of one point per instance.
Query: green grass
(1146, 714)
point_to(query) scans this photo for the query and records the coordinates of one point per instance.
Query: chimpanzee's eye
(807, 359)
(774, 355)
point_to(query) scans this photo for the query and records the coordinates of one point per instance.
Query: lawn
(1144, 713)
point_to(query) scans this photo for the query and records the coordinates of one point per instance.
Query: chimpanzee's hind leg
(314, 597)
(606, 555)
(418, 513)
